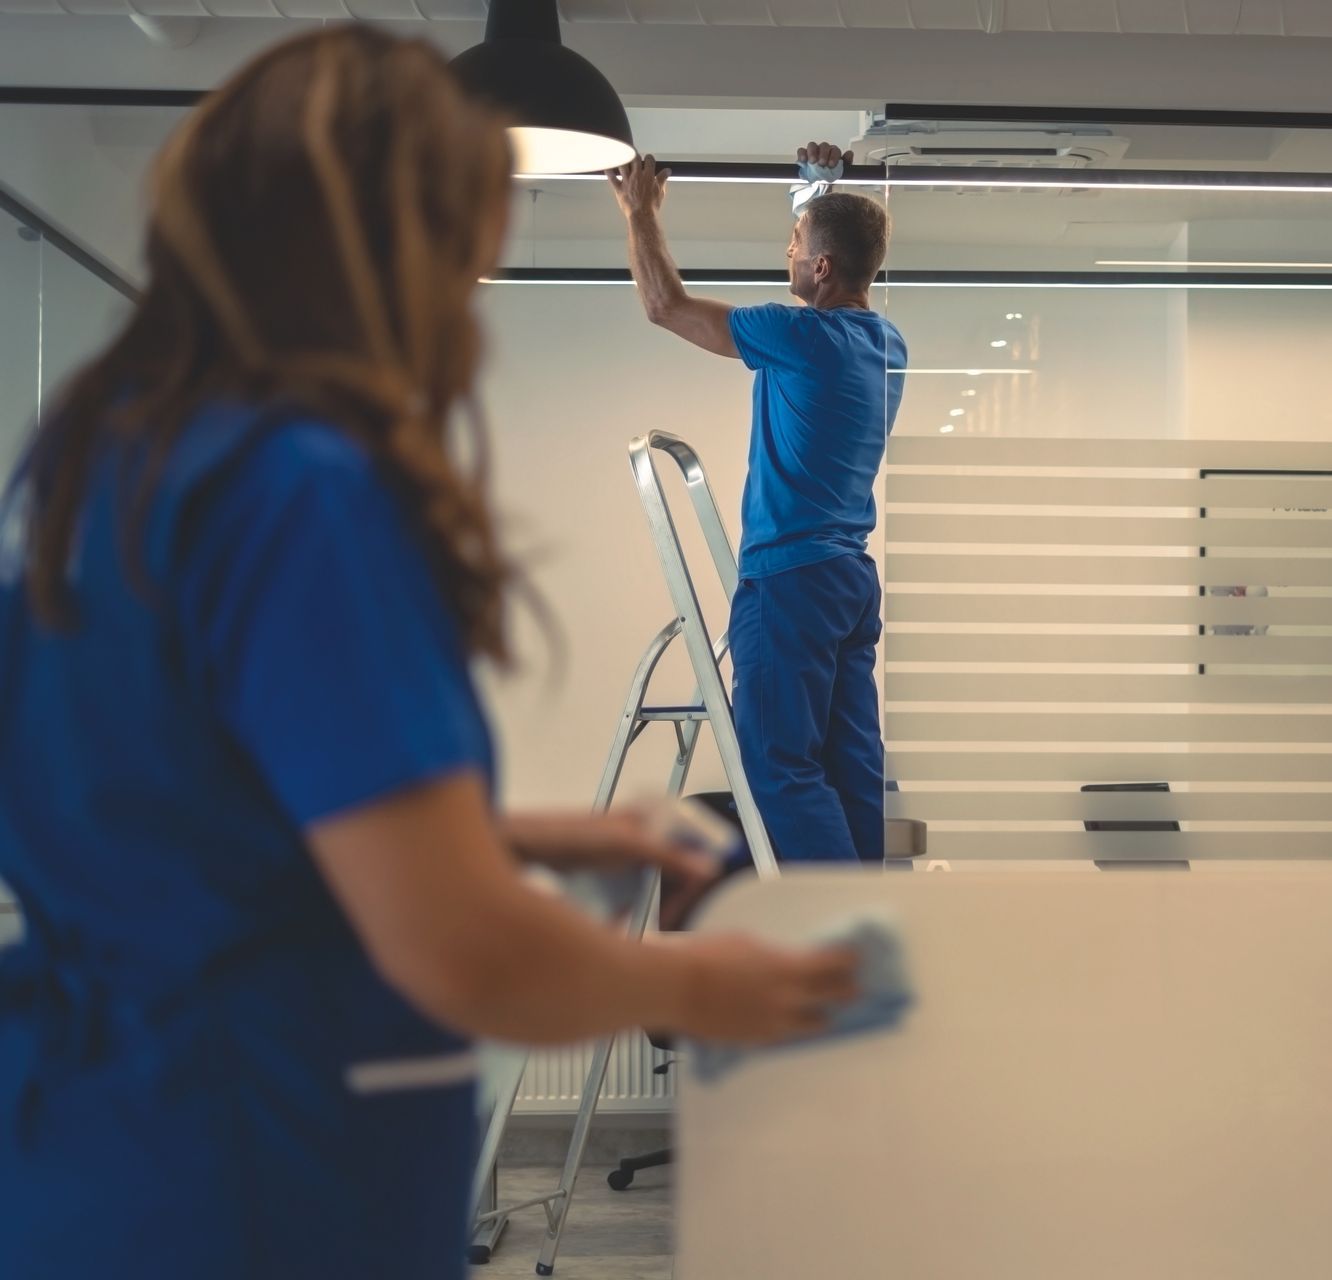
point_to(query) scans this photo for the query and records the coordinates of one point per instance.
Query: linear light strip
(1181, 283)
(980, 176)
(949, 183)
(1192, 263)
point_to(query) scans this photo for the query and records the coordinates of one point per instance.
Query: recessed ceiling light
(999, 342)
(970, 391)
(946, 428)
(1013, 315)
(956, 413)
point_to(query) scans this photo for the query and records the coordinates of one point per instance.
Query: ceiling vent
(928, 144)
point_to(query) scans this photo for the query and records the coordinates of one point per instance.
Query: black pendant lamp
(568, 117)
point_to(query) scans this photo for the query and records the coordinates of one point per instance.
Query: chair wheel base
(620, 1179)
(543, 1270)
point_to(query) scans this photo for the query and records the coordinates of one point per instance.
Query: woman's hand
(603, 842)
(738, 990)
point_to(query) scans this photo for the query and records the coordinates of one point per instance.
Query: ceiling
(1219, 54)
(1281, 18)
(84, 168)
(750, 80)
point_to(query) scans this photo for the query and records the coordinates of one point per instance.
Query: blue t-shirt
(827, 391)
(187, 982)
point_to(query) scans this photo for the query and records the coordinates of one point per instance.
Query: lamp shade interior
(537, 150)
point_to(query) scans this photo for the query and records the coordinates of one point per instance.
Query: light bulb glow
(537, 151)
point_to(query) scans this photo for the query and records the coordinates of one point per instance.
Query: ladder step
(680, 715)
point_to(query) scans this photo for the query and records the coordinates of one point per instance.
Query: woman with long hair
(245, 778)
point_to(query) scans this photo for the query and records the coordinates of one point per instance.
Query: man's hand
(824, 154)
(638, 186)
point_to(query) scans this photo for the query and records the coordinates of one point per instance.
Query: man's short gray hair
(851, 230)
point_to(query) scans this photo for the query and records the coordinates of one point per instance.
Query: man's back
(827, 390)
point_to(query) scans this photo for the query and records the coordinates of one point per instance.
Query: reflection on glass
(20, 332)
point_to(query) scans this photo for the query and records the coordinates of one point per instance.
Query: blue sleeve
(317, 631)
(773, 337)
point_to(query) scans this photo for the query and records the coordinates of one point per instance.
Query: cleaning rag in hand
(816, 180)
(885, 996)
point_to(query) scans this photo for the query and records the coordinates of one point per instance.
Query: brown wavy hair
(317, 227)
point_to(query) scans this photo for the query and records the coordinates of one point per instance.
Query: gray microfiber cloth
(885, 996)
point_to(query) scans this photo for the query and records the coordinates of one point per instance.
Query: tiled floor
(611, 1235)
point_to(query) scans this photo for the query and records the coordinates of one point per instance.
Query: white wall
(575, 373)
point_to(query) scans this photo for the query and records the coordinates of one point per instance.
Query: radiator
(554, 1080)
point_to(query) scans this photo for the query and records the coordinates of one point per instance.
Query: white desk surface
(1122, 1076)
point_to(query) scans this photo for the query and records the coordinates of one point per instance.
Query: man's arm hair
(703, 321)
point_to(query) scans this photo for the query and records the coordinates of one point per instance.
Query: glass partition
(1131, 286)
(55, 312)
(1108, 555)
(20, 333)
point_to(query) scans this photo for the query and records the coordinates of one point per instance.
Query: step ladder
(711, 705)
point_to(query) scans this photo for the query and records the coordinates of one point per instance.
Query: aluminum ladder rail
(710, 704)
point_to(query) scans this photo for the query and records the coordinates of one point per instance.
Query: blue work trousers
(807, 707)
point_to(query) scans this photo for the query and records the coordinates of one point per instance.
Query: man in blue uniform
(805, 618)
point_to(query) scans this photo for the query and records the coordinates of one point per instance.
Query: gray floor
(611, 1235)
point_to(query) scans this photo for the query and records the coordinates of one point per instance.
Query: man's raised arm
(639, 191)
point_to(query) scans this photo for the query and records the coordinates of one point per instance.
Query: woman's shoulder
(274, 444)
(243, 464)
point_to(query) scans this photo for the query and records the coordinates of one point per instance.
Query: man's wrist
(643, 217)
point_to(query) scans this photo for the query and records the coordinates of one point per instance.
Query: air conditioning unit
(929, 144)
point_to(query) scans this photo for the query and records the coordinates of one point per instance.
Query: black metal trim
(29, 217)
(39, 96)
(781, 171)
(905, 111)
(775, 276)
(43, 95)
(51, 95)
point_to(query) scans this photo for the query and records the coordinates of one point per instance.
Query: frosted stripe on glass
(1075, 570)
(919, 607)
(1078, 726)
(1029, 452)
(1125, 766)
(1264, 493)
(1022, 686)
(1117, 806)
(1109, 531)
(1117, 845)
(1160, 650)
(996, 561)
